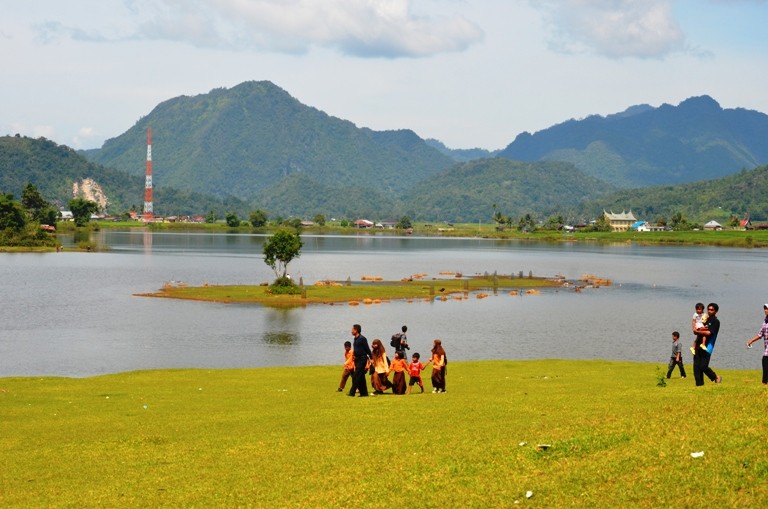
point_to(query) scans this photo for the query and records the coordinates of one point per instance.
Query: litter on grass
(697, 454)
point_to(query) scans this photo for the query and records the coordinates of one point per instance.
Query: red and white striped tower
(148, 212)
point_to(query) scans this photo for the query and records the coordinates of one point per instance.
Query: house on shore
(620, 222)
(645, 226)
(363, 223)
(713, 225)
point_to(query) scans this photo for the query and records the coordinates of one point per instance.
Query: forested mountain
(461, 155)
(299, 195)
(55, 169)
(742, 195)
(467, 192)
(255, 137)
(644, 146)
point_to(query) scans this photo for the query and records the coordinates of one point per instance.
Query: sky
(470, 73)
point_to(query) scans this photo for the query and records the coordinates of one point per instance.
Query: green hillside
(244, 140)
(300, 196)
(742, 195)
(467, 192)
(54, 168)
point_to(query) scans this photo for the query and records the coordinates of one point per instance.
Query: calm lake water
(75, 314)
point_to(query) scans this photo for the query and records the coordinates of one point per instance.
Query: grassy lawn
(355, 293)
(283, 437)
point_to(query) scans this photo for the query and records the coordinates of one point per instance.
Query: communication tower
(148, 212)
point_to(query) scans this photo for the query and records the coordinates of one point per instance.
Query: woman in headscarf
(438, 366)
(380, 375)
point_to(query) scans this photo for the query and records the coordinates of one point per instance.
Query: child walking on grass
(414, 369)
(677, 356)
(349, 365)
(398, 380)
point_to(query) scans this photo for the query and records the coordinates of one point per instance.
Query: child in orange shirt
(349, 365)
(414, 369)
(398, 380)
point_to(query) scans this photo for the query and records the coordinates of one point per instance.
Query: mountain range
(255, 146)
(646, 146)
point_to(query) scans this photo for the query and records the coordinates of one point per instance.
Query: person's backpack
(395, 341)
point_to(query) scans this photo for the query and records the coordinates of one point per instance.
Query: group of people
(705, 327)
(361, 359)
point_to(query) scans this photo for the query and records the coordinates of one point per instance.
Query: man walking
(362, 355)
(701, 357)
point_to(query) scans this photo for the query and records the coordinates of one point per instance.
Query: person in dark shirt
(362, 359)
(702, 357)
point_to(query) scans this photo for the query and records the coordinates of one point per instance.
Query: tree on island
(279, 250)
(82, 210)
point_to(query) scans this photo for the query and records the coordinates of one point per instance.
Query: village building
(363, 223)
(645, 226)
(713, 225)
(620, 222)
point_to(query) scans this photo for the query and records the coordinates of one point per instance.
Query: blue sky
(471, 73)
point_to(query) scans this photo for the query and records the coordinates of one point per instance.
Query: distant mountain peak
(637, 109)
(700, 102)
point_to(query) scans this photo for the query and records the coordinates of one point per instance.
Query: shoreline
(728, 238)
(652, 376)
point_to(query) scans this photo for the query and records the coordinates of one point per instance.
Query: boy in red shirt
(414, 369)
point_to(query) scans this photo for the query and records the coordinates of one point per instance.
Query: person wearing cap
(702, 357)
(763, 333)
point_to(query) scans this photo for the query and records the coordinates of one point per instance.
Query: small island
(374, 290)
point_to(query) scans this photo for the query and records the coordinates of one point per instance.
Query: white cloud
(613, 28)
(366, 28)
(84, 137)
(45, 131)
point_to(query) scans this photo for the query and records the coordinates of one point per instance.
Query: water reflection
(282, 338)
(147, 241)
(81, 237)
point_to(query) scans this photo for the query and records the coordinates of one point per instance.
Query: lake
(75, 314)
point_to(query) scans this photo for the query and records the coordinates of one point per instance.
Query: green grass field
(283, 437)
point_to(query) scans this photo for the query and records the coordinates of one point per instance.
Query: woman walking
(380, 375)
(438, 367)
(764, 335)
